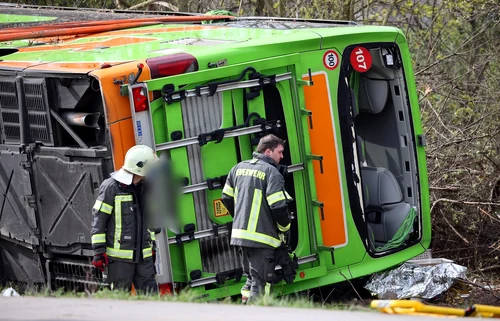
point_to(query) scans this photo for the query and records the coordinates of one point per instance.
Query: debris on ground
(467, 292)
(10, 292)
(412, 280)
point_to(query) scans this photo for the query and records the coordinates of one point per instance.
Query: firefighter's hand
(283, 169)
(100, 261)
(284, 236)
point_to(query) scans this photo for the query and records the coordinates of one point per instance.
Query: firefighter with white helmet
(120, 238)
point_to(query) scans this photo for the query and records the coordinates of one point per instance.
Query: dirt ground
(464, 294)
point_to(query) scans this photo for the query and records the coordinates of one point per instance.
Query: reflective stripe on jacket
(118, 223)
(256, 188)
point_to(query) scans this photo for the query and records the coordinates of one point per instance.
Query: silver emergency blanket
(412, 280)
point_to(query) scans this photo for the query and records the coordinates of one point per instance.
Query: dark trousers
(245, 290)
(261, 265)
(142, 275)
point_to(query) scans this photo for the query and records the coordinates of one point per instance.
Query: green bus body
(362, 170)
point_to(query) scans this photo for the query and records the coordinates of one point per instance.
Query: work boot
(245, 291)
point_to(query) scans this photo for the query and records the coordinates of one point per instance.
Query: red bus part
(171, 65)
(140, 99)
(165, 288)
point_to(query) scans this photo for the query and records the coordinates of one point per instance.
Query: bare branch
(489, 215)
(148, 2)
(447, 200)
(491, 267)
(167, 5)
(456, 232)
(446, 188)
(269, 8)
(480, 286)
(121, 4)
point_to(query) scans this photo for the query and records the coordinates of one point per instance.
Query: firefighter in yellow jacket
(254, 195)
(120, 239)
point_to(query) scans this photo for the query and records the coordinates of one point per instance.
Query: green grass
(290, 301)
(297, 301)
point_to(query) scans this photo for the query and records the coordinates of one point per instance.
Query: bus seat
(384, 206)
(373, 94)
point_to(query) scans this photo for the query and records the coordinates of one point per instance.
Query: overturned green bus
(343, 96)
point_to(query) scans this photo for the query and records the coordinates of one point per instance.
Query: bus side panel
(122, 138)
(328, 182)
(417, 127)
(117, 107)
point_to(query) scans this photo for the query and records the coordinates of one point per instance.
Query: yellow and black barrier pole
(485, 311)
(416, 307)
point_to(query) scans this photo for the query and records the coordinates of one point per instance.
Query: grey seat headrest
(381, 186)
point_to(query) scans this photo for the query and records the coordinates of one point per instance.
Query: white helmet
(138, 161)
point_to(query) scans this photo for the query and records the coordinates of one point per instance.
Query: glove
(100, 261)
(283, 169)
(288, 266)
(289, 273)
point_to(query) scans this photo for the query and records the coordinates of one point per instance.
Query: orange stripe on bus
(76, 67)
(154, 30)
(328, 184)
(61, 42)
(77, 24)
(120, 41)
(53, 40)
(87, 29)
(18, 64)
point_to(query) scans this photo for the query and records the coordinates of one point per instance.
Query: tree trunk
(260, 6)
(183, 5)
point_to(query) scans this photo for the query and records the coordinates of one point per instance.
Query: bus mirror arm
(140, 66)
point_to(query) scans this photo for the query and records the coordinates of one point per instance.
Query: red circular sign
(361, 59)
(330, 59)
